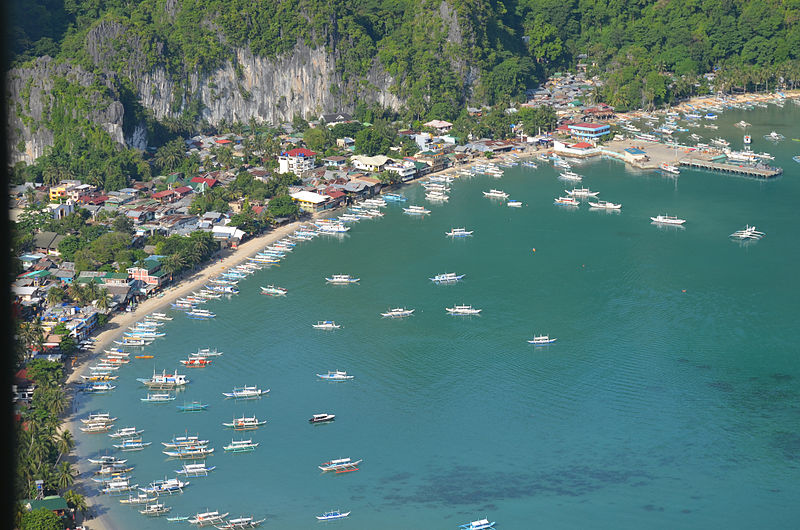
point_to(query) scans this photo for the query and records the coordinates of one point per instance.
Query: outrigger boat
(96, 427)
(416, 210)
(190, 452)
(271, 290)
(240, 522)
(542, 339)
(667, 220)
(166, 486)
(195, 470)
(155, 510)
(141, 498)
(184, 441)
(98, 388)
(326, 324)
(398, 312)
(459, 232)
(342, 279)
(241, 446)
(332, 515)
(99, 417)
(107, 460)
(605, 205)
(195, 362)
(132, 445)
(447, 277)
(118, 487)
(463, 310)
(337, 375)
(164, 381)
(208, 518)
(340, 465)
(126, 432)
(159, 316)
(245, 423)
(245, 392)
(157, 398)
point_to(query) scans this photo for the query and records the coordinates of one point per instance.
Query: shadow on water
(465, 485)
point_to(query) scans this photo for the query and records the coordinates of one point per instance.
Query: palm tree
(77, 501)
(55, 295)
(64, 442)
(65, 475)
(50, 175)
(103, 300)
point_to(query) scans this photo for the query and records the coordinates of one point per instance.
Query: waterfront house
(370, 163)
(311, 202)
(296, 161)
(148, 271)
(590, 131)
(53, 503)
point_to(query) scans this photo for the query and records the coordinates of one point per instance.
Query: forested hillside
(181, 62)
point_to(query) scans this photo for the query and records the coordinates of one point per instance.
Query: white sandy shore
(120, 322)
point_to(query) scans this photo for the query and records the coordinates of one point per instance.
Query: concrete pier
(763, 172)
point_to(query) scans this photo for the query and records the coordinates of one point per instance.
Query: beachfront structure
(148, 272)
(297, 161)
(634, 154)
(579, 150)
(370, 163)
(310, 202)
(589, 130)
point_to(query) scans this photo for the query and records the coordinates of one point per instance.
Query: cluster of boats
(437, 188)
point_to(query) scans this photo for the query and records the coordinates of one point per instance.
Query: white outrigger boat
(581, 192)
(245, 423)
(245, 392)
(107, 460)
(195, 470)
(159, 316)
(126, 432)
(158, 398)
(322, 418)
(99, 417)
(667, 220)
(542, 339)
(495, 194)
(398, 312)
(459, 232)
(326, 324)
(570, 175)
(605, 205)
(566, 201)
(271, 290)
(208, 518)
(748, 232)
(241, 446)
(336, 375)
(463, 310)
(340, 465)
(416, 210)
(447, 277)
(341, 279)
(240, 522)
(514, 204)
(164, 381)
(332, 515)
(141, 498)
(155, 510)
(167, 486)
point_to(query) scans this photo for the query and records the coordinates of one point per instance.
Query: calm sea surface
(671, 398)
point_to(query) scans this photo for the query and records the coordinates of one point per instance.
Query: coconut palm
(103, 299)
(65, 475)
(64, 442)
(76, 501)
(55, 295)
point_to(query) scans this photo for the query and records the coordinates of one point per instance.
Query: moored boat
(667, 220)
(566, 201)
(240, 446)
(208, 518)
(245, 423)
(463, 310)
(158, 398)
(272, 290)
(322, 418)
(155, 510)
(398, 312)
(542, 339)
(332, 515)
(326, 324)
(481, 524)
(193, 406)
(195, 470)
(245, 392)
(240, 522)
(340, 465)
(341, 279)
(605, 205)
(459, 232)
(447, 277)
(336, 375)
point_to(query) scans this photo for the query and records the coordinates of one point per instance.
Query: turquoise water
(670, 399)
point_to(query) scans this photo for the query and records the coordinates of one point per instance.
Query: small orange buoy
(534, 250)
(683, 290)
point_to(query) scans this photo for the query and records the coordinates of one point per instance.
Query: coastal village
(62, 304)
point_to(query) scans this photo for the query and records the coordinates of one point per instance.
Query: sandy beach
(120, 322)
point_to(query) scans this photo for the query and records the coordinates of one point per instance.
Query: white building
(297, 161)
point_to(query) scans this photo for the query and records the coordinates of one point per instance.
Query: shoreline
(117, 325)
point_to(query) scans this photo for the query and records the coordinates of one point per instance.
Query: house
(405, 170)
(309, 201)
(177, 223)
(53, 503)
(296, 161)
(585, 130)
(228, 236)
(578, 150)
(206, 181)
(370, 163)
(47, 243)
(632, 154)
(148, 271)
(335, 119)
(440, 126)
(182, 192)
(334, 161)
(345, 143)
(26, 294)
(164, 196)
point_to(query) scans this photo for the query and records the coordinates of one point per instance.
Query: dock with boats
(761, 171)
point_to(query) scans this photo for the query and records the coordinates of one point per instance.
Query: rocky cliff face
(271, 90)
(34, 93)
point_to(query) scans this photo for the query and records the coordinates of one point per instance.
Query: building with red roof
(296, 161)
(209, 182)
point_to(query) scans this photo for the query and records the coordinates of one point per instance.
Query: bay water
(670, 398)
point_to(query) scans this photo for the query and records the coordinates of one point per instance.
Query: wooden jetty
(763, 172)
